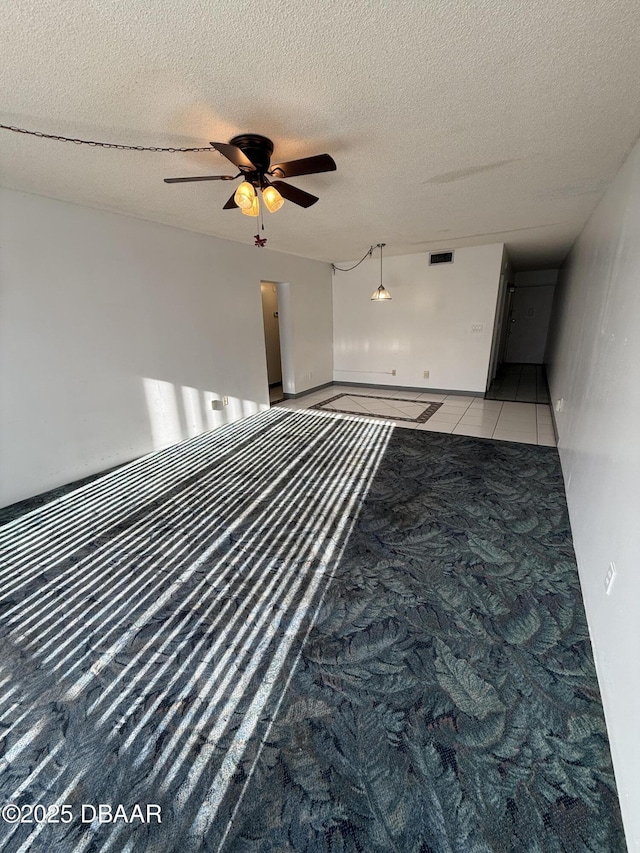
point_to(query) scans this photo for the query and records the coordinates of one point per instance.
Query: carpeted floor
(306, 634)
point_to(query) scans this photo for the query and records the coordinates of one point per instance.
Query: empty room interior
(319, 417)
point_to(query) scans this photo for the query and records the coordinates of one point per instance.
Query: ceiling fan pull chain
(259, 241)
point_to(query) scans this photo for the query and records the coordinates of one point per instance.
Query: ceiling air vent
(441, 258)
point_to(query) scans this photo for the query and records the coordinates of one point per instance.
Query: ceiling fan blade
(230, 204)
(305, 166)
(233, 153)
(294, 194)
(199, 178)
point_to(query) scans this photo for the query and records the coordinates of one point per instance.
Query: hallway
(521, 383)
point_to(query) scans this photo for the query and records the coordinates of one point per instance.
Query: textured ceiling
(454, 122)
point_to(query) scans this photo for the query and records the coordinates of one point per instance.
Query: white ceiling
(453, 122)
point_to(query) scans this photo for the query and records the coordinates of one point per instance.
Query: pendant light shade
(381, 294)
(272, 198)
(245, 197)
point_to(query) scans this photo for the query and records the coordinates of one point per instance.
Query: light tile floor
(529, 423)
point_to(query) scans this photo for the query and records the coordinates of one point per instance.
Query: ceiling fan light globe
(254, 209)
(245, 196)
(272, 199)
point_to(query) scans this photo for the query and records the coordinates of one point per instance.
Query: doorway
(271, 320)
(530, 313)
(520, 374)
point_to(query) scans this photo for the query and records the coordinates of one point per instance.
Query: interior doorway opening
(271, 320)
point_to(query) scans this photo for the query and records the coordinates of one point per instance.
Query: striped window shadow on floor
(370, 405)
(149, 647)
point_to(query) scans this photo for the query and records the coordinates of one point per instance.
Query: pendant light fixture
(381, 294)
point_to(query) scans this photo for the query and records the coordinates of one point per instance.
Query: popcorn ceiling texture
(451, 123)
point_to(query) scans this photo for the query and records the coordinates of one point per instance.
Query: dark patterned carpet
(306, 634)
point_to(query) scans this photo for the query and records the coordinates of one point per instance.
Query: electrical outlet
(225, 401)
(477, 327)
(560, 404)
(426, 374)
(393, 372)
(609, 578)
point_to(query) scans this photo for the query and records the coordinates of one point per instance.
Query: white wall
(594, 357)
(536, 278)
(426, 325)
(116, 334)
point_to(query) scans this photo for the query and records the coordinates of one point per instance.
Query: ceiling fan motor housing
(257, 148)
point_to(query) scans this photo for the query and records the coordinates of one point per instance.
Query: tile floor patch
(391, 408)
(528, 423)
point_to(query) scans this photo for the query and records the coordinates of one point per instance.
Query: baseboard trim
(14, 510)
(409, 388)
(554, 422)
(308, 391)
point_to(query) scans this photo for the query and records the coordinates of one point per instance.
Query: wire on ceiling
(95, 144)
(364, 257)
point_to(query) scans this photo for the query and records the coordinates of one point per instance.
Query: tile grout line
(454, 424)
(499, 413)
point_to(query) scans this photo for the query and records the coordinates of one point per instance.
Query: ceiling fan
(251, 154)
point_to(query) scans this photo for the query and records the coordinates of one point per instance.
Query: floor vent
(441, 258)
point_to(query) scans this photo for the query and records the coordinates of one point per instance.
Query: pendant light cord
(95, 144)
(364, 257)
